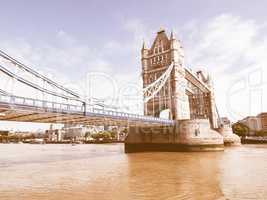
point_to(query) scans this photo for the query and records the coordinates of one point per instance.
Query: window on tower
(150, 79)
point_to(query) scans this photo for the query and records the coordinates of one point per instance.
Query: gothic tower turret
(180, 99)
(155, 61)
(144, 53)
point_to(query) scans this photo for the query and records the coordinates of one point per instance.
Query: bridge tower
(172, 96)
(188, 96)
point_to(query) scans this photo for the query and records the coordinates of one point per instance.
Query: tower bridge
(168, 87)
(187, 98)
(187, 95)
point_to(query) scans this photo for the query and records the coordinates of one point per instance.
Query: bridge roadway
(15, 108)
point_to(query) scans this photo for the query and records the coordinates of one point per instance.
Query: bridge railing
(49, 105)
(23, 101)
(130, 115)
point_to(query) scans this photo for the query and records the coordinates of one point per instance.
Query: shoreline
(254, 140)
(67, 142)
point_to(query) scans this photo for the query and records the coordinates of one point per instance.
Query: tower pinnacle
(172, 36)
(144, 45)
(161, 30)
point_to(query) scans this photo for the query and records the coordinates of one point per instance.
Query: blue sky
(67, 39)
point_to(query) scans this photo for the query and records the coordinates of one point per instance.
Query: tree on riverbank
(261, 133)
(104, 135)
(240, 129)
(6, 136)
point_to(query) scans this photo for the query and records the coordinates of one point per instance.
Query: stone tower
(155, 61)
(189, 98)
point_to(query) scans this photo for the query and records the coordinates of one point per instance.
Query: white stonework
(198, 132)
(229, 138)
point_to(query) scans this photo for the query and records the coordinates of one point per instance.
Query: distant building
(120, 131)
(70, 132)
(4, 133)
(54, 135)
(225, 121)
(263, 120)
(255, 123)
(4, 136)
(74, 133)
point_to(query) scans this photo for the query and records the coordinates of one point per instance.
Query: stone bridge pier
(184, 135)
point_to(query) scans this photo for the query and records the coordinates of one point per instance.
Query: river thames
(104, 172)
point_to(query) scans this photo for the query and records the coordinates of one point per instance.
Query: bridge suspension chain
(33, 85)
(152, 89)
(4, 92)
(218, 115)
(38, 75)
(62, 92)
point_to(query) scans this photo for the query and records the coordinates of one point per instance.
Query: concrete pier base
(229, 138)
(198, 136)
(186, 135)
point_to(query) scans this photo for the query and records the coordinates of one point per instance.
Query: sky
(70, 41)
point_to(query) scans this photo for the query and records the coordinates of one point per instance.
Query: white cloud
(231, 48)
(67, 62)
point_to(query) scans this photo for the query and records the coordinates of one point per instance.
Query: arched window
(150, 79)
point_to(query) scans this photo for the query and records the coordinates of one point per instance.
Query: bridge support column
(180, 105)
(185, 135)
(197, 135)
(229, 138)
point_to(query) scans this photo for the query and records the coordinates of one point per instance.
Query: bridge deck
(14, 108)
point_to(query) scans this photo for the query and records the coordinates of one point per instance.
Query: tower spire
(161, 30)
(172, 36)
(144, 45)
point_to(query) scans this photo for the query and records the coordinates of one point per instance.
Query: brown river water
(104, 172)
